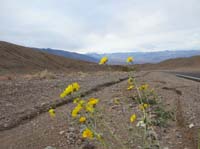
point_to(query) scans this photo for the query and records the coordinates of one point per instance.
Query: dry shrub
(45, 74)
(5, 78)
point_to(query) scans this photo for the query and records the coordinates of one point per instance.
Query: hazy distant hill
(120, 58)
(146, 57)
(172, 64)
(71, 55)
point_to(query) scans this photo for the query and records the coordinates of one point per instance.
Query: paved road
(192, 74)
(189, 75)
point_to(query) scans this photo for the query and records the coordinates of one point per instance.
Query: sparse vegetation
(89, 119)
(162, 116)
(45, 74)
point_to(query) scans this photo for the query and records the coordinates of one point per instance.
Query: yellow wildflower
(129, 59)
(82, 119)
(67, 91)
(143, 106)
(89, 108)
(76, 86)
(103, 60)
(144, 87)
(133, 118)
(62, 95)
(76, 110)
(130, 87)
(130, 81)
(87, 133)
(52, 112)
(93, 101)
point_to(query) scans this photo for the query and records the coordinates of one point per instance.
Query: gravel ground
(20, 95)
(183, 96)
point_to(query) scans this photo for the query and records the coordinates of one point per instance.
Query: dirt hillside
(192, 63)
(19, 59)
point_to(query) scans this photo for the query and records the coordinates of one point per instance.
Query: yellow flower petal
(143, 106)
(133, 118)
(89, 108)
(67, 91)
(103, 60)
(82, 119)
(75, 86)
(52, 113)
(130, 81)
(130, 87)
(144, 87)
(93, 101)
(87, 133)
(129, 59)
(76, 110)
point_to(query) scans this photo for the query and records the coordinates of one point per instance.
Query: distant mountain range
(146, 57)
(68, 54)
(120, 58)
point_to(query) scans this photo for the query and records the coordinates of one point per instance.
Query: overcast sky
(102, 25)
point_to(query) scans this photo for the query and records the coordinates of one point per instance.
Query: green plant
(162, 116)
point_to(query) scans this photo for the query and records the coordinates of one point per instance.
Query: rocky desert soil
(26, 124)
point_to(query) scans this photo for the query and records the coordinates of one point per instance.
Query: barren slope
(19, 59)
(192, 63)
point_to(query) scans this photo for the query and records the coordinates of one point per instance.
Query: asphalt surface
(191, 74)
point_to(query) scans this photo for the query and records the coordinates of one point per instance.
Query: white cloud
(102, 25)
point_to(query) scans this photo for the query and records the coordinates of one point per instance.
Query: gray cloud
(102, 25)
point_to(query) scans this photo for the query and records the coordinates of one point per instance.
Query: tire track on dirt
(188, 134)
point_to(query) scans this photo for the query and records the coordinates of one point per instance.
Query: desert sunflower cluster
(84, 114)
(70, 89)
(145, 98)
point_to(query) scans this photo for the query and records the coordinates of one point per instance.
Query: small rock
(5, 125)
(131, 106)
(178, 135)
(71, 129)
(61, 132)
(114, 107)
(180, 142)
(79, 141)
(49, 147)
(191, 125)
